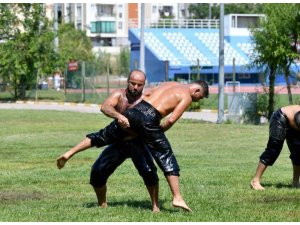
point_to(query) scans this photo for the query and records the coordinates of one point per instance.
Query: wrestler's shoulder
(118, 91)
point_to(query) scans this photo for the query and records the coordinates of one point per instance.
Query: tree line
(28, 50)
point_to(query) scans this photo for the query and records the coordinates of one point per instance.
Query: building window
(120, 25)
(154, 9)
(228, 76)
(104, 10)
(103, 27)
(233, 21)
(120, 15)
(244, 76)
(183, 13)
(79, 11)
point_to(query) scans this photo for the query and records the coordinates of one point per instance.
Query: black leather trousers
(145, 121)
(279, 131)
(115, 154)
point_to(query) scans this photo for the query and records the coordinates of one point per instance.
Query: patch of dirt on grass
(12, 196)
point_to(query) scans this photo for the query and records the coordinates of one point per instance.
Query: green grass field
(217, 163)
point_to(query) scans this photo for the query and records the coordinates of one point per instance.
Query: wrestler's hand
(123, 122)
(61, 161)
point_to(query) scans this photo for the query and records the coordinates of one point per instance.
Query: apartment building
(107, 24)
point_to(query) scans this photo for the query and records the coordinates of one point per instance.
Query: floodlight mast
(221, 67)
(142, 40)
(56, 25)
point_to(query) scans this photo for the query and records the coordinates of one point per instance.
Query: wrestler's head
(201, 92)
(136, 82)
(297, 119)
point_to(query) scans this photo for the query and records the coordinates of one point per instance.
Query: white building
(107, 24)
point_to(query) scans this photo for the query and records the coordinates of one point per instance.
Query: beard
(134, 93)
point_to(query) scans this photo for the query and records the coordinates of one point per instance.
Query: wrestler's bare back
(167, 96)
(290, 112)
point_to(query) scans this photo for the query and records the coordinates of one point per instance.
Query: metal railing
(179, 23)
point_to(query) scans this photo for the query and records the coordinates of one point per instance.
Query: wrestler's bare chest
(124, 104)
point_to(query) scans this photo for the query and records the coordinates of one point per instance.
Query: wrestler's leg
(296, 175)
(255, 182)
(83, 145)
(153, 133)
(293, 142)
(153, 192)
(108, 135)
(143, 162)
(101, 195)
(162, 153)
(104, 166)
(267, 158)
(177, 201)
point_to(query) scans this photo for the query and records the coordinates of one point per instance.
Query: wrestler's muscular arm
(177, 113)
(109, 108)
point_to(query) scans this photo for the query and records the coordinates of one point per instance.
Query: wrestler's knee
(172, 173)
(271, 153)
(150, 178)
(107, 135)
(293, 143)
(96, 139)
(266, 161)
(97, 179)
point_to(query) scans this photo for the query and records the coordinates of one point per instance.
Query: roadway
(205, 115)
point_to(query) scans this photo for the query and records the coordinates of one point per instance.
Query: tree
(288, 24)
(8, 19)
(73, 45)
(201, 10)
(265, 39)
(123, 61)
(273, 42)
(27, 52)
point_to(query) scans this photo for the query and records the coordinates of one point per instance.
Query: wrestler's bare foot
(256, 185)
(155, 209)
(103, 205)
(61, 161)
(180, 203)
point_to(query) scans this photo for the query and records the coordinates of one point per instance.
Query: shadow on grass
(131, 203)
(278, 185)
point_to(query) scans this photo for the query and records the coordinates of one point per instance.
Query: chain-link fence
(87, 84)
(83, 83)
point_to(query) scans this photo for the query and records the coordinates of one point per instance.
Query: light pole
(221, 66)
(142, 40)
(56, 25)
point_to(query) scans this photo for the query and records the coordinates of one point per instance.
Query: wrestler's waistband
(147, 109)
(279, 115)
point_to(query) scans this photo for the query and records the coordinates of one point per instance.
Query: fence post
(198, 69)
(107, 79)
(82, 81)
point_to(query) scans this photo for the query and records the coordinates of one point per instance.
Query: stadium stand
(183, 54)
(183, 48)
